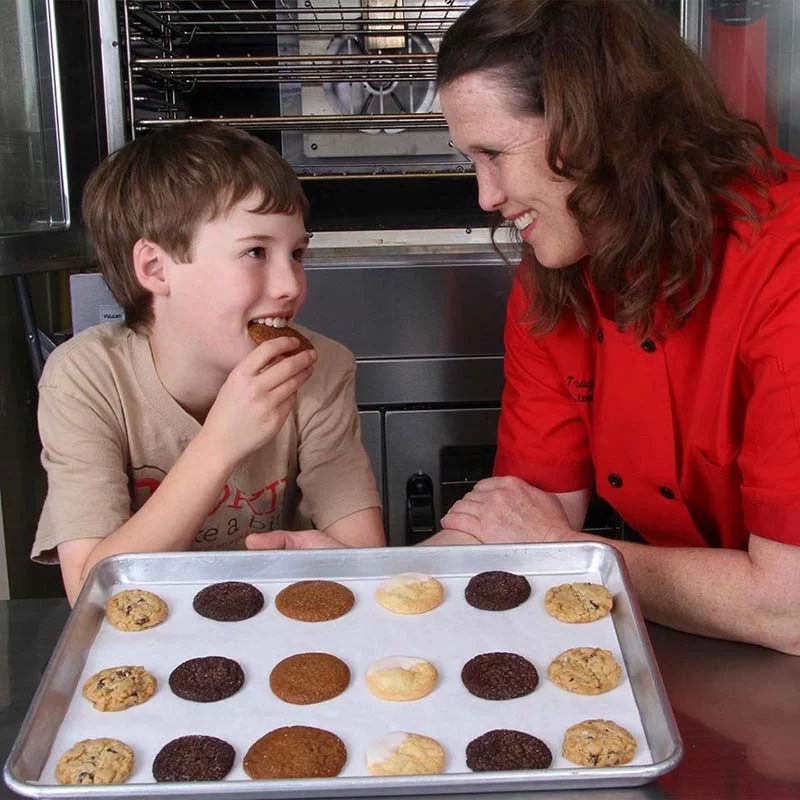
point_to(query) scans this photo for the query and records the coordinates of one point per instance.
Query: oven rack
(184, 20)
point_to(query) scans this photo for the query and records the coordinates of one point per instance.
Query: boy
(199, 231)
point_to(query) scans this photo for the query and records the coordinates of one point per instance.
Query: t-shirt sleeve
(87, 486)
(335, 474)
(541, 437)
(769, 460)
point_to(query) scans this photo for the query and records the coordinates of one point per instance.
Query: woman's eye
(491, 154)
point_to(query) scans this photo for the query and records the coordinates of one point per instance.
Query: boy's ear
(149, 265)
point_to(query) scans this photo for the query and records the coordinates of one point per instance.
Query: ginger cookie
(117, 688)
(314, 601)
(207, 679)
(585, 670)
(297, 751)
(401, 678)
(193, 758)
(499, 676)
(506, 749)
(410, 593)
(262, 332)
(308, 678)
(497, 590)
(230, 601)
(135, 610)
(401, 753)
(578, 602)
(598, 743)
(95, 761)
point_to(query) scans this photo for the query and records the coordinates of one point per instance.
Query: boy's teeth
(273, 322)
(522, 221)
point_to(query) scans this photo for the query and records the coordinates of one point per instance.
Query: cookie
(401, 753)
(578, 602)
(259, 332)
(505, 749)
(117, 688)
(314, 601)
(193, 758)
(95, 761)
(497, 590)
(598, 743)
(230, 601)
(585, 670)
(135, 610)
(499, 676)
(401, 678)
(296, 752)
(308, 678)
(410, 593)
(206, 680)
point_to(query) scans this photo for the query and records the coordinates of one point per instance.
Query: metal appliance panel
(415, 442)
(453, 636)
(372, 437)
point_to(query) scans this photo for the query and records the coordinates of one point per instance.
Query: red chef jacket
(693, 438)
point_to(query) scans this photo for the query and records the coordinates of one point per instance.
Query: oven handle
(420, 513)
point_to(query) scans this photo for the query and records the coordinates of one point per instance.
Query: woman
(652, 326)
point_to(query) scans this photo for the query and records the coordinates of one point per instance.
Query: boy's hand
(256, 398)
(292, 540)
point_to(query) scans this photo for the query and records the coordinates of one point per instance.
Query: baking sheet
(447, 637)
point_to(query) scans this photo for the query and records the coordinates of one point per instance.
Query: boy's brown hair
(658, 160)
(162, 186)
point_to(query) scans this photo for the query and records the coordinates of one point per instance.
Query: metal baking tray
(447, 636)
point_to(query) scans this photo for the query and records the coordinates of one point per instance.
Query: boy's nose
(285, 279)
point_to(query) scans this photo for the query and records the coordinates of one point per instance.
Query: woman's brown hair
(637, 123)
(163, 185)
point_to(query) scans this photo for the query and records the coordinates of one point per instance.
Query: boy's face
(244, 266)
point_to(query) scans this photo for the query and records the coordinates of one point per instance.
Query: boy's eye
(256, 252)
(299, 254)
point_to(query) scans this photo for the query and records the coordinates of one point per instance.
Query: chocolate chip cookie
(135, 610)
(118, 688)
(585, 670)
(578, 602)
(95, 761)
(598, 743)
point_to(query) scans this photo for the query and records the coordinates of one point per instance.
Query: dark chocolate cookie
(505, 749)
(497, 590)
(307, 678)
(206, 680)
(193, 758)
(499, 676)
(230, 601)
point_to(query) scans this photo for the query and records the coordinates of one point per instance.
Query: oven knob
(420, 516)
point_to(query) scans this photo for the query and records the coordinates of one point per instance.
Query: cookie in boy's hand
(263, 331)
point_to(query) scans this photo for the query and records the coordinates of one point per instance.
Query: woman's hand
(509, 510)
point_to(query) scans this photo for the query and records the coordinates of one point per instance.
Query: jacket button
(600, 336)
(666, 492)
(649, 346)
(615, 480)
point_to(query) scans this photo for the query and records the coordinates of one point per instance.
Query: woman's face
(509, 153)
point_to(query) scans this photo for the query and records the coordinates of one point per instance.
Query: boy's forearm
(174, 513)
(362, 529)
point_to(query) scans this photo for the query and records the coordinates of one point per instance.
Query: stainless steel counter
(738, 708)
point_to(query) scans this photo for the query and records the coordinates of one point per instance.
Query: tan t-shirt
(110, 432)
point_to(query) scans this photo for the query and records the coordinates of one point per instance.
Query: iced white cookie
(410, 593)
(401, 753)
(401, 678)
